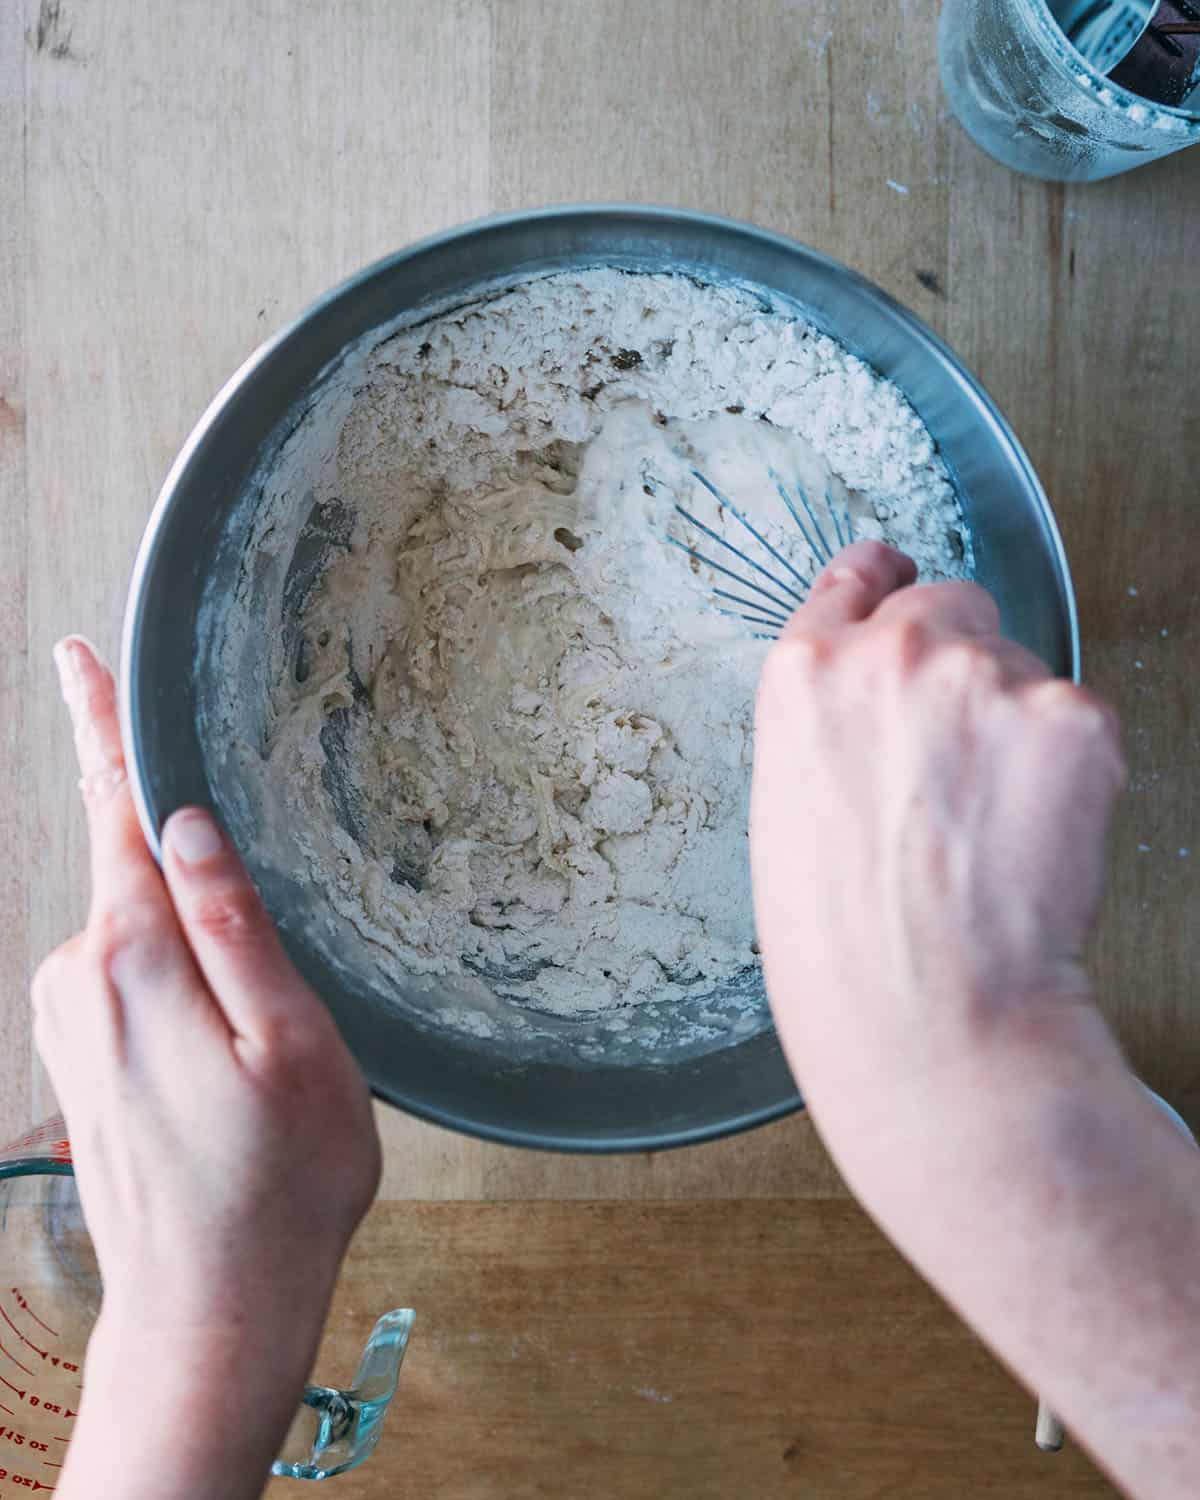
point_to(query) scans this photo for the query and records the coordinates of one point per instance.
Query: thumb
(850, 588)
(230, 933)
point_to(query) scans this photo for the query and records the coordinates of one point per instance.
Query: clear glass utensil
(1035, 102)
(49, 1300)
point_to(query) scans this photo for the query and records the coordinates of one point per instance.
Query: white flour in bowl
(508, 734)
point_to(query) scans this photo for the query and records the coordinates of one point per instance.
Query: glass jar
(1024, 94)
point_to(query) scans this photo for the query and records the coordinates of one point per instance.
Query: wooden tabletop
(176, 182)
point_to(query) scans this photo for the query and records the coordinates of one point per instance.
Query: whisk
(783, 585)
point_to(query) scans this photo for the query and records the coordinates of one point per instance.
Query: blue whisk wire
(723, 499)
(771, 616)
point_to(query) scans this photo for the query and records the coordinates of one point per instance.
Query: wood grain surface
(176, 182)
(733, 1351)
(17, 834)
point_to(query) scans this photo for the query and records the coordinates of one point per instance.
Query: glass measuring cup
(49, 1300)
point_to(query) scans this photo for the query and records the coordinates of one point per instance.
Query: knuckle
(118, 929)
(856, 571)
(1072, 707)
(906, 641)
(1022, 665)
(47, 1031)
(792, 658)
(965, 663)
(289, 1056)
(52, 977)
(130, 948)
(101, 787)
(1080, 724)
(973, 600)
(868, 560)
(233, 914)
(53, 996)
(871, 566)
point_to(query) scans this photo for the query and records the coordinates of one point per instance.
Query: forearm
(212, 1412)
(1036, 1184)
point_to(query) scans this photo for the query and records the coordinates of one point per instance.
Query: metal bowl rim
(651, 214)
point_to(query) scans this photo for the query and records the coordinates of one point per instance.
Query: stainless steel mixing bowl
(555, 1098)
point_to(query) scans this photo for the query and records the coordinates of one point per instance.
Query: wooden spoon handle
(1049, 1433)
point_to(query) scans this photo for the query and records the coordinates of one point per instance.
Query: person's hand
(223, 1138)
(927, 833)
(928, 821)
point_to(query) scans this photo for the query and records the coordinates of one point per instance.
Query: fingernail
(194, 837)
(67, 663)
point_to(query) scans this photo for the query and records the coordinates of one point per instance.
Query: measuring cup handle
(335, 1430)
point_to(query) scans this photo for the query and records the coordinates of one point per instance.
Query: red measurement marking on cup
(20, 1335)
(63, 1364)
(15, 1360)
(51, 1130)
(25, 1307)
(22, 1440)
(23, 1481)
(56, 1408)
